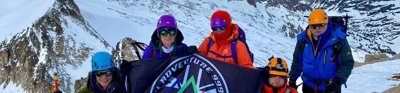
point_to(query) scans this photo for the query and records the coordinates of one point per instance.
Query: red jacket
(285, 89)
(225, 49)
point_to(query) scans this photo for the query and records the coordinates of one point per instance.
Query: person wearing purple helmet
(166, 40)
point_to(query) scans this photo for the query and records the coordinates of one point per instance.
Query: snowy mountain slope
(373, 77)
(14, 15)
(267, 31)
(268, 28)
(59, 40)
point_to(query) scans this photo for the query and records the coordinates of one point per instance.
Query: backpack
(336, 22)
(341, 21)
(242, 38)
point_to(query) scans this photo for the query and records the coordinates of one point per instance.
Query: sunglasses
(166, 31)
(220, 28)
(317, 26)
(100, 73)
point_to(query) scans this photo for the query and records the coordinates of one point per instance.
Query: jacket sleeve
(203, 47)
(344, 69)
(297, 64)
(84, 90)
(243, 56)
(147, 52)
(86, 87)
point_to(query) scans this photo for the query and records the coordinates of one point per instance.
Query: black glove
(292, 83)
(334, 85)
(192, 50)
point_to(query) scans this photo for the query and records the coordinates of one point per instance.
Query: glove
(333, 85)
(192, 50)
(292, 83)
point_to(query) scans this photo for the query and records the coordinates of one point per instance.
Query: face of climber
(218, 25)
(276, 81)
(167, 36)
(104, 77)
(318, 29)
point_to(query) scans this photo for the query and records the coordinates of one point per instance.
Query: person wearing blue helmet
(105, 77)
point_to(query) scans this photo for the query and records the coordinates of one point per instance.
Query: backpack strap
(234, 52)
(303, 43)
(210, 42)
(337, 47)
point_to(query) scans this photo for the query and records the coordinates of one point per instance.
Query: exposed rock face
(252, 2)
(396, 56)
(129, 50)
(81, 83)
(393, 90)
(30, 57)
(294, 5)
(370, 58)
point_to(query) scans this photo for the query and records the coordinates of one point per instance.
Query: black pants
(307, 89)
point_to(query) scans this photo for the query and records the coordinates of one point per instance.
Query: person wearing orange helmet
(322, 56)
(219, 45)
(277, 77)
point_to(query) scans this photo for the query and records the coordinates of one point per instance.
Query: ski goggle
(317, 26)
(106, 73)
(166, 31)
(222, 28)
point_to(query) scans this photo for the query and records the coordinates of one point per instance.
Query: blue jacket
(320, 65)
